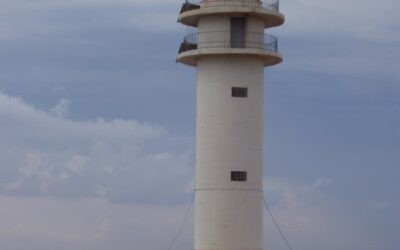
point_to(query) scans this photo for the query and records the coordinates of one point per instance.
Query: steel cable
(277, 225)
(183, 223)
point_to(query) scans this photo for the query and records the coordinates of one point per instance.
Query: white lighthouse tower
(230, 50)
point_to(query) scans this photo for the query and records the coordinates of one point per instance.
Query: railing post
(222, 39)
(266, 4)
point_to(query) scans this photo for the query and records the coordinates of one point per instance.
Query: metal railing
(272, 5)
(227, 39)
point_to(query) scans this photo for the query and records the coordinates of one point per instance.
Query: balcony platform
(191, 57)
(191, 13)
(222, 43)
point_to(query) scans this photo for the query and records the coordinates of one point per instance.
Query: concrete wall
(229, 138)
(228, 215)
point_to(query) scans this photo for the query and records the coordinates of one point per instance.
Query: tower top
(267, 10)
(230, 28)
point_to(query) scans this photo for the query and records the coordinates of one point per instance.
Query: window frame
(240, 92)
(238, 176)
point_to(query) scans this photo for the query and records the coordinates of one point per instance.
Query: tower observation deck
(230, 49)
(215, 37)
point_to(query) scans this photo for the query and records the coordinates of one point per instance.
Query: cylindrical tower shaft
(230, 51)
(229, 155)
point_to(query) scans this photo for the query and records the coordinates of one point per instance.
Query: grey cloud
(60, 19)
(362, 19)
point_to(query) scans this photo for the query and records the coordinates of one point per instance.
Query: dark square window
(239, 92)
(238, 176)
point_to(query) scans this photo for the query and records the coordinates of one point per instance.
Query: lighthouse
(230, 49)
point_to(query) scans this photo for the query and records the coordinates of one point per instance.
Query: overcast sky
(97, 126)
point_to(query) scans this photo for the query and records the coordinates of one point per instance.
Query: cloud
(62, 19)
(347, 39)
(117, 184)
(67, 182)
(46, 154)
(362, 19)
(102, 183)
(65, 224)
(322, 182)
(312, 219)
(61, 109)
(305, 215)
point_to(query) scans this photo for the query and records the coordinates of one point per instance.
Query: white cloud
(322, 182)
(313, 220)
(43, 154)
(61, 109)
(305, 216)
(100, 185)
(87, 224)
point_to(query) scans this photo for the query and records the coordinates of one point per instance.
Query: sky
(97, 126)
